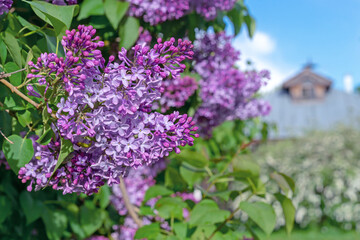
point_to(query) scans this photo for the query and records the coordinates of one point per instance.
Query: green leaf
(245, 169)
(146, 210)
(5, 208)
(103, 197)
(46, 137)
(262, 214)
(169, 207)
(24, 117)
(55, 223)
(250, 24)
(13, 48)
(15, 79)
(29, 57)
(60, 17)
(5, 125)
(236, 17)
(19, 152)
(189, 176)
(196, 159)
(155, 191)
(129, 32)
(173, 180)
(115, 11)
(3, 52)
(284, 182)
(288, 210)
(150, 231)
(207, 212)
(180, 229)
(32, 208)
(91, 219)
(91, 8)
(65, 150)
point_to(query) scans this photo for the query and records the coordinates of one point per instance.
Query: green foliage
(18, 151)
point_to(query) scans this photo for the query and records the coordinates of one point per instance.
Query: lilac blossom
(105, 111)
(158, 11)
(176, 92)
(227, 93)
(5, 6)
(210, 8)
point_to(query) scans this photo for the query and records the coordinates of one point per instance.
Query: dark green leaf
(115, 11)
(288, 210)
(180, 229)
(129, 32)
(189, 176)
(5, 125)
(5, 208)
(169, 207)
(24, 117)
(91, 8)
(32, 208)
(250, 24)
(19, 152)
(245, 169)
(91, 219)
(207, 212)
(3, 52)
(13, 48)
(103, 197)
(55, 223)
(46, 137)
(65, 150)
(262, 214)
(60, 17)
(196, 159)
(286, 184)
(155, 191)
(150, 231)
(173, 180)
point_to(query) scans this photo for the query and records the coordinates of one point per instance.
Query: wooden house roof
(307, 75)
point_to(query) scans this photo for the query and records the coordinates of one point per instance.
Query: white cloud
(261, 50)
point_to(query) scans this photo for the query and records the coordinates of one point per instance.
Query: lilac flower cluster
(213, 52)
(106, 111)
(209, 8)
(158, 11)
(227, 93)
(5, 6)
(62, 2)
(176, 92)
(144, 38)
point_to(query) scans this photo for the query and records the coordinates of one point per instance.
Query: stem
(128, 204)
(20, 94)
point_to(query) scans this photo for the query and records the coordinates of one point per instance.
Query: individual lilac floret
(213, 52)
(5, 6)
(210, 8)
(177, 92)
(158, 11)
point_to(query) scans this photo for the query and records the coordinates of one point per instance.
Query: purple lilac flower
(3, 161)
(106, 111)
(213, 52)
(209, 8)
(158, 11)
(227, 93)
(5, 6)
(144, 38)
(97, 238)
(176, 92)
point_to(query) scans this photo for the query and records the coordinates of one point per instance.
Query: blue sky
(289, 33)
